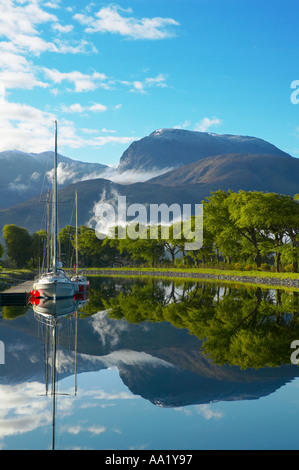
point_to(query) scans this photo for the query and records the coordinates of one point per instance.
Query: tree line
(243, 230)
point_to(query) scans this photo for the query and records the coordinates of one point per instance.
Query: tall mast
(76, 232)
(53, 385)
(48, 233)
(55, 202)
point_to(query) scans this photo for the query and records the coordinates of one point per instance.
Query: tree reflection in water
(239, 325)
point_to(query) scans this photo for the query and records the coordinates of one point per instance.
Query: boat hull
(81, 284)
(83, 287)
(49, 307)
(54, 289)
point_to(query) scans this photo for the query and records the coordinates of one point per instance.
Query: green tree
(253, 225)
(141, 249)
(217, 222)
(18, 244)
(89, 247)
(67, 242)
(38, 248)
(246, 211)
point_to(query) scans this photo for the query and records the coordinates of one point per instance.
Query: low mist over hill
(25, 175)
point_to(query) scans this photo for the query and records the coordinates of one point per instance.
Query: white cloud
(206, 123)
(184, 125)
(96, 429)
(74, 47)
(202, 126)
(98, 108)
(92, 429)
(204, 410)
(16, 71)
(53, 5)
(29, 129)
(158, 81)
(22, 19)
(21, 26)
(74, 108)
(24, 127)
(207, 412)
(27, 30)
(64, 173)
(63, 29)
(141, 86)
(78, 108)
(109, 20)
(82, 82)
(19, 412)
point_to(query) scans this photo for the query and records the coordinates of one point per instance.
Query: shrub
(288, 268)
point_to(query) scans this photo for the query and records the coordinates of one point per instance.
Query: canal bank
(273, 280)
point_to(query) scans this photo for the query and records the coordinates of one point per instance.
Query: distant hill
(25, 175)
(31, 214)
(238, 171)
(171, 148)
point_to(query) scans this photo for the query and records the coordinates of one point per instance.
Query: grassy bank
(210, 271)
(287, 281)
(11, 277)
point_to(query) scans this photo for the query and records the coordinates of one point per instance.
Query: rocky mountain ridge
(172, 148)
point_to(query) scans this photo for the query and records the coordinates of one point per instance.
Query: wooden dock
(16, 295)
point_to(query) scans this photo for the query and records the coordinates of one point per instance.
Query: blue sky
(111, 73)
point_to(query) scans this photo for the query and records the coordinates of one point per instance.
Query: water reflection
(51, 314)
(243, 326)
(174, 344)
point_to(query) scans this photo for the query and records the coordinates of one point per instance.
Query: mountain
(171, 148)
(189, 184)
(25, 175)
(249, 172)
(203, 163)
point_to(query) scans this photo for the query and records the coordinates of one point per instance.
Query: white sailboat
(54, 284)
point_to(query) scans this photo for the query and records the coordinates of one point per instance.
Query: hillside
(25, 175)
(238, 171)
(171, 148)
(189, 184)
(31, 214)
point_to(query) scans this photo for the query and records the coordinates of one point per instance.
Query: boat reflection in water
(58, 307)
(51, 314)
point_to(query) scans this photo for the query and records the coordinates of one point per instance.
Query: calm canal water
(147, 364)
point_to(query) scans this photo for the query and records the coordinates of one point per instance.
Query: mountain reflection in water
(173, 343)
